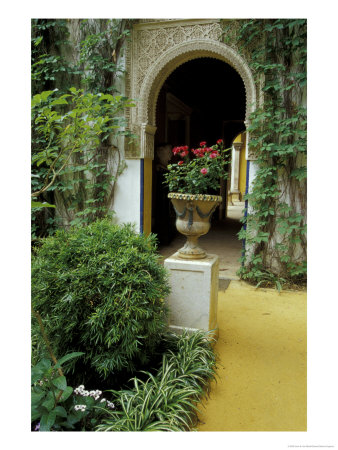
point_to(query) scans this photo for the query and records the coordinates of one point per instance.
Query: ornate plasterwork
(157, 49)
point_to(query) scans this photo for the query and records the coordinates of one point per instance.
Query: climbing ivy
(83, 59)
(274, 227)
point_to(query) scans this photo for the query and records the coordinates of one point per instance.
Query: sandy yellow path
(262, 366)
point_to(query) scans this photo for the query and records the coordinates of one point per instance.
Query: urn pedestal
(194, 293)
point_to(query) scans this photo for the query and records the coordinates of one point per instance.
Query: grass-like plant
(100, 290)
(167, 401)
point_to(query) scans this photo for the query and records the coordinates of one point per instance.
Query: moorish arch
(157, 49)
(181, 54)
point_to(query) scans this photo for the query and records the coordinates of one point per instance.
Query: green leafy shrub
(166, 401)
(100, 290)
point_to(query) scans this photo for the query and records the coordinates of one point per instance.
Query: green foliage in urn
(199, 170)
(100, 290)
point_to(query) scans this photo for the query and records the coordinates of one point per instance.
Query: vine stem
(35, 194)
(49, 347)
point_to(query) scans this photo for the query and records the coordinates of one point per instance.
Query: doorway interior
(202, 100)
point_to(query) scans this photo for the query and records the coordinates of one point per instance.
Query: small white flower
(79, 390)
(102, 400)
(85, 393)
(80, 407)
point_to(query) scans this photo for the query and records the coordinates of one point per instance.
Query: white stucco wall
(127, 195)
(252, 175)
(128, 185)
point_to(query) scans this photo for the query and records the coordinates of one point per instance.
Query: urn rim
(201, 197)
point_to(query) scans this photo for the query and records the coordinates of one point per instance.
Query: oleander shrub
(100, 290)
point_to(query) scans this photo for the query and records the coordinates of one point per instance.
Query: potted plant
(192, 183)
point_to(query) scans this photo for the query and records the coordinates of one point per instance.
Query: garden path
(261, 372)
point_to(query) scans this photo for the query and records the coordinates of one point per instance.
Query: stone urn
(193, 215)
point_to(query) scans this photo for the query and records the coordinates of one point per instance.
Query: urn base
(191, 249)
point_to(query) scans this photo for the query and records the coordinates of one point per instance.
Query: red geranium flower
(198, 152)
(180, 163)
(204, 171)
(214, 155)
(176, 150)
(220, 141)
(203, 143)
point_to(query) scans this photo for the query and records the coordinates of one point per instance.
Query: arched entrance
(202, 100)
(158, 48)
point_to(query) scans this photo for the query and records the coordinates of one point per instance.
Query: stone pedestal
(194, 293)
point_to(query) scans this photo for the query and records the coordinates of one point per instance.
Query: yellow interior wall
(242, 167)
(147, 187)
(242, 164)
(238, 138)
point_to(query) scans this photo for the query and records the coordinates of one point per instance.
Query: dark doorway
(202, 100)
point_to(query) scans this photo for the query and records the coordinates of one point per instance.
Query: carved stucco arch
(184, 52)
(144, 121)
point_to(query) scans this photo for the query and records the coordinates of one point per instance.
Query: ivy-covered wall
(85, 55)
(274, 228)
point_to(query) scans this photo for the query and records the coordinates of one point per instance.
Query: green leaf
(49, 402)
(59, 101)
(35, 414)
(279, 286)
(72, 419)
(36, 375)
(36, 397)
(40, 369)
(45, 95)
(41, 205)
(60, 411)
(47, 421)
(60, 382)
(66, 393)
(67, 358)
(38, 40)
